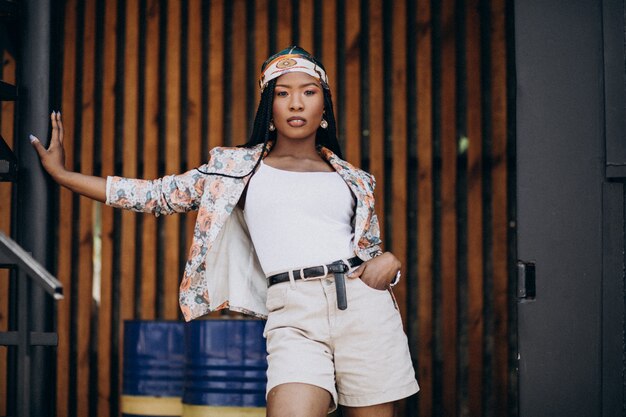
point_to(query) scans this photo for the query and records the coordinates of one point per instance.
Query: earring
(272, 127)
(323, 124)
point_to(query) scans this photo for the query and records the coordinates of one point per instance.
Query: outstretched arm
(53, 161)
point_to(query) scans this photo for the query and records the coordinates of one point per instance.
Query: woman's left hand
(378, 272)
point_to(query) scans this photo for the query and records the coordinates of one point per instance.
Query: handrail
(22, 338)
(13, 254)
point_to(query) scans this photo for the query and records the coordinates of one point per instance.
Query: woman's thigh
(379, 410)
(298, 400)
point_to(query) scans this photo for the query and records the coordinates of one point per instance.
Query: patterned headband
(284, 64)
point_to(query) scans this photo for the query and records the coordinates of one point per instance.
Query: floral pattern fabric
(215, 198)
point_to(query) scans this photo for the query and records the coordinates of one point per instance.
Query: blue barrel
(154, 363)
(225, 372)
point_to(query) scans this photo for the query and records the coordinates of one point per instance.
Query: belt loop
(347, 262)
(292, 280)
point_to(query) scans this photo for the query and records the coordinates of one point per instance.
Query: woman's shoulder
(334, 159)
(365, 176)
(232, 160)
(237, 154)
(235, 150)
(345, 167)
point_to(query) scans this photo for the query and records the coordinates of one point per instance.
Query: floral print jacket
(222, 270)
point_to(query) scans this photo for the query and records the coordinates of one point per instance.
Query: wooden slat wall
(64, 262)
(474, 242)
(420, 93)
(105, 373)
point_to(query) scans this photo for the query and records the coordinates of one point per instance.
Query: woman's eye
(281, 94)
(309, 92)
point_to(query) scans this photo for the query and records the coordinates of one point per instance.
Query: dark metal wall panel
(613, 306)
(560, 170)
(614, 222)
(614, 87)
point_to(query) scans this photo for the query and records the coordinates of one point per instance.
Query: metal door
(571, 164)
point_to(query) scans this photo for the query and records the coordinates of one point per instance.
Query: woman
(281, 221)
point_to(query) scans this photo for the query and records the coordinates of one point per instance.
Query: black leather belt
(315, 271)
(338, 268)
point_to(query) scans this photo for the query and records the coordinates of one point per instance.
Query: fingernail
(32, 138)
(59, 113)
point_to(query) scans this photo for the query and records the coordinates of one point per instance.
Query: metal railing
(27, 272)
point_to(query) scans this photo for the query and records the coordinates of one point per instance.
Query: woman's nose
(296, 103)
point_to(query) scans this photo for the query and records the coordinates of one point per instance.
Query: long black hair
(261, 133)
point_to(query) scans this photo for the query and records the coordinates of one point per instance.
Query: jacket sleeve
(370, 240)
(167, 195)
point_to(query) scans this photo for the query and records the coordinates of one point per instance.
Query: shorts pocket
(276, 297)
(363, 284)
(372, 296)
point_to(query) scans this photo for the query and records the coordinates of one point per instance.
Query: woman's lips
(296, 122)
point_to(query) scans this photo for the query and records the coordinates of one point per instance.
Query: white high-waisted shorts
(359, 355)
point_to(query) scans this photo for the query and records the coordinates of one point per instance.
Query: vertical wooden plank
(129, 161)
(283, 29)
(353, 81)
(399, 134)
(172, 162)
(237, 109)
(194, 82)
(499, 208)
(66, 211)
(129, 156)
(108, 133)
(329, 48)
(448, 209)
(251, 78)
(376, 110)
(461, 203)
(216, 75)
(261, 40)
(150, 152)
(7, 132)
(85, 221)
(425, 210)
(306, 25)
(474, 209)
(399, 139)
(194, 98)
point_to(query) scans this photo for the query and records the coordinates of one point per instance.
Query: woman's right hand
(53, 161)
(53, 158)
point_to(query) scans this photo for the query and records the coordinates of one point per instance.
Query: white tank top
(298, 219)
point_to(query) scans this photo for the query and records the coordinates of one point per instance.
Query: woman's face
(298, 106)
